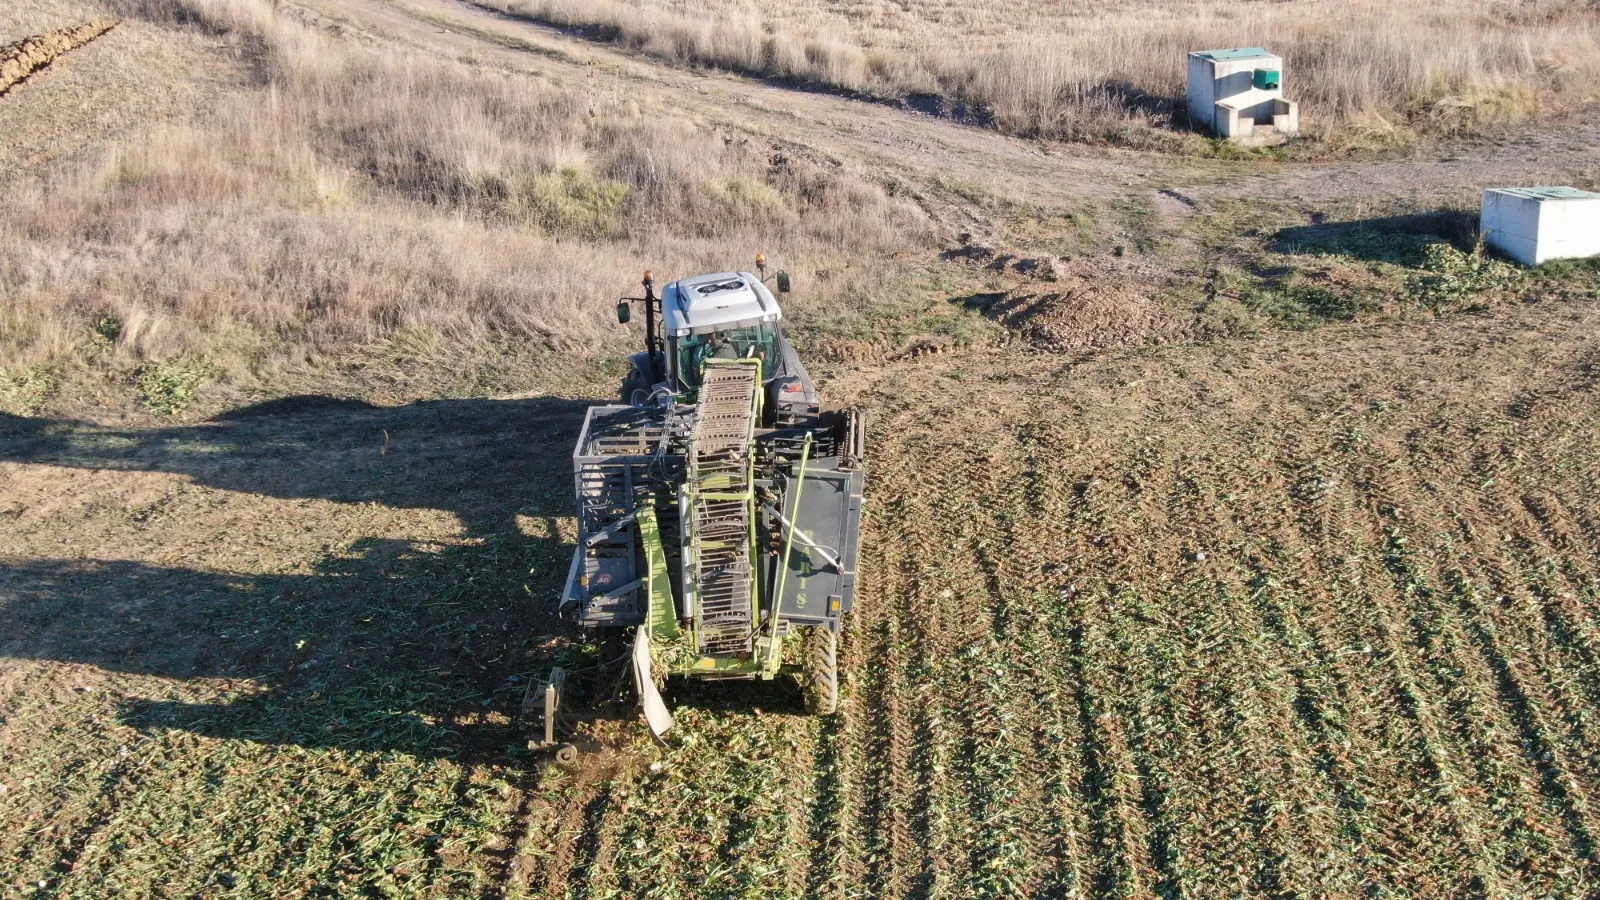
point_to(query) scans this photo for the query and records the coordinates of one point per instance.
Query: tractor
(718, 504)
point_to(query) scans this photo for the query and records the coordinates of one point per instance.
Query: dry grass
(1366, 71)
(358, 199)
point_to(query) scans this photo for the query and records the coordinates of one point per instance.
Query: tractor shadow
(415, 646)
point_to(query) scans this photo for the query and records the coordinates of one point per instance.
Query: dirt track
(918, 147)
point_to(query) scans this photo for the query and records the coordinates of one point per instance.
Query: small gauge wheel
(566, 754)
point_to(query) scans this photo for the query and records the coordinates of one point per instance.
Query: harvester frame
(719, 513)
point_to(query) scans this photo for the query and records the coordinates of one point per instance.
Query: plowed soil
(1314, 614)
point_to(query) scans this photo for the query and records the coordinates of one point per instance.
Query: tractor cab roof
(710, 302)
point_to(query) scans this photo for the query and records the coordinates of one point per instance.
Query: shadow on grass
(386, 644)
(1392, 239)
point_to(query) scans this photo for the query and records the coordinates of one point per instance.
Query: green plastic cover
(1553, 193)
(1237, 53)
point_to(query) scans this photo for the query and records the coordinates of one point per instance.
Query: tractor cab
(720, 316)
(728, 315)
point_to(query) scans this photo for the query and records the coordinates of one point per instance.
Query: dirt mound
(1087, 305)
(1088, 317)
(29, 55)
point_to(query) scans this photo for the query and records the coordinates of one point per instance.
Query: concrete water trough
(1537, 224)
(1238, 94)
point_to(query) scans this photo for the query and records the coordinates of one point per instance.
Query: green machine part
(1268, 79)
(730, 483)
(660, 615)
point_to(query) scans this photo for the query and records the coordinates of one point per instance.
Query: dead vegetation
(1372, 74)
(27, 56)
(361, 204)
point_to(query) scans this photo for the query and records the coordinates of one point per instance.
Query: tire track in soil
(1289, 570)
(1281, 781)
(1520, 696)
(1000, 797)
(1528, 556)
(1414, 668)
(1056, 736)
(1115, 788)
(1432, 795)
(1469, 694)
(836, 852)
(883, 824)
(1331, 698)
(934, 819)
(842, 860)
(1524, 696)
(1477, 711)
(1276, 520)
(801, 798)
(828, 827)
(592, 855)
(1453, 637)
(935, 608)
(1148, 654)
(931, 616)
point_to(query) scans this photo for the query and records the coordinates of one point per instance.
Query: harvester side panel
(623, 462)
(821, 584)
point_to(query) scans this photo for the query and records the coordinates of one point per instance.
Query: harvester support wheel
(820, 681)
(566, 754)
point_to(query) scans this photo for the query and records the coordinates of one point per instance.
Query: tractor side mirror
(624, 312)
(783, 282)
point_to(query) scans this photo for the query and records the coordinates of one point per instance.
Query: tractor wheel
(820, 680)
(635, 387)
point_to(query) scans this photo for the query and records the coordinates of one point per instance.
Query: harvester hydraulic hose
(788, 544)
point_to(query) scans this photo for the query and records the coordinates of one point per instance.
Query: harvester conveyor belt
(721, 500)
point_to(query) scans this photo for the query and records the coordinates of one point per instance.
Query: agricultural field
(1233, 519)
(1313, 616)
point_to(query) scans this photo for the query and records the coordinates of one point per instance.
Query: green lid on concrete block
(1555, 193)
(1237, 53)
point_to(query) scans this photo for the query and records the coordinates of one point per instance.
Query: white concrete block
(1224, 95)
(1536, 225)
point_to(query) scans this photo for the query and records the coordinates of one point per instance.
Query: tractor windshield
(759, 341)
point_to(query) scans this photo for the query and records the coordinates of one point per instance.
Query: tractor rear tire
(635, 388)
(820, 680)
